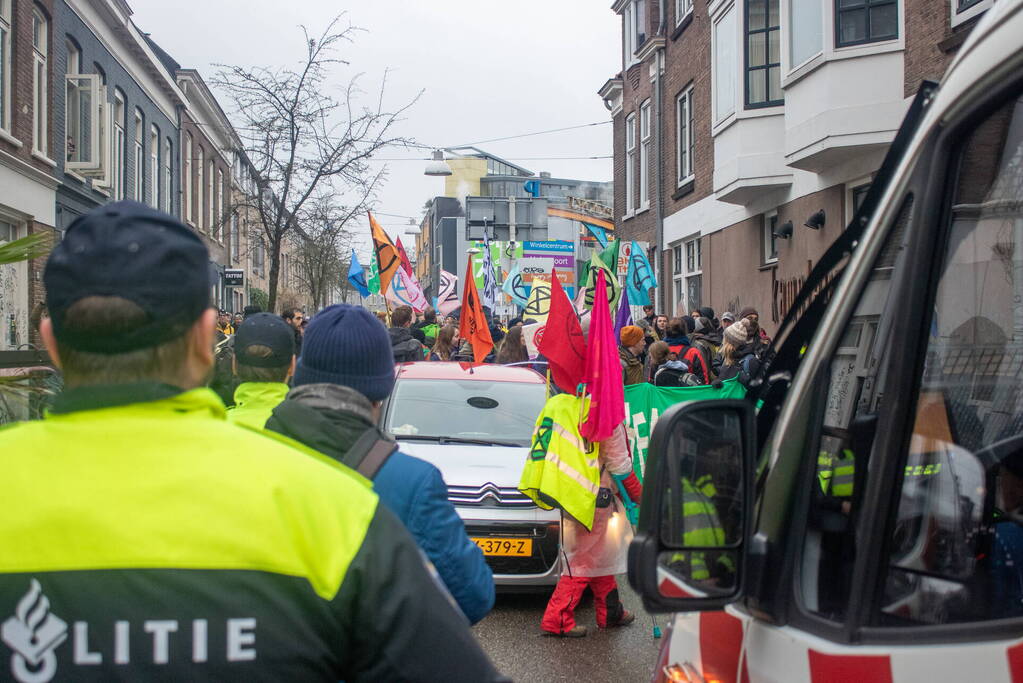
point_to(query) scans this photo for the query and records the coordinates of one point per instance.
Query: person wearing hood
(345, 373)
(264, 359)
(703, 339)
(713, 334)
(757, 337)
(404, 346)
(632, 346)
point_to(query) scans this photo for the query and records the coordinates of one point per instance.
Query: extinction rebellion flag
(645, 403)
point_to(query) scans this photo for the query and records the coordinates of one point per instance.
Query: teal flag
(640, 277)
(598, 232)
(357, 275)
(645, 403)
(516, 288)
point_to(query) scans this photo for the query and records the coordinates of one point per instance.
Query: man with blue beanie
(345, 372)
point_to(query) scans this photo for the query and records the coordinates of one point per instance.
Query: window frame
(218, 214)
(119, 146)
(747, 33)
(200, 187)
(138, 147)
(6, 24)
(155, 168)
(683, 9)
(645, 136)
(692, 248)
(678, 292)
(866, 7)
(74, 79)
(768, 242)
(720, 71)
(685, 162)
(186, 177)
(168, 169)
(961, 15)
(40, 83)
(211, 223)
(630, 164)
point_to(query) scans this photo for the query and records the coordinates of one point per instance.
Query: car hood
(470, 464)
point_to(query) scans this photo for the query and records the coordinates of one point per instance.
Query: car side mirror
(688, 553)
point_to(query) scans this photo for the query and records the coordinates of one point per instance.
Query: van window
(957, 541)
(851, 390)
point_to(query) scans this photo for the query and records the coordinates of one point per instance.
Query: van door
(905, 553)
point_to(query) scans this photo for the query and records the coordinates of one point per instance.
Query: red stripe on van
(1015, 655)
(850, 668)
(720, 646)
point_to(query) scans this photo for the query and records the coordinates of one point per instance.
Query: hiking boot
(627, 618)
(577, 632)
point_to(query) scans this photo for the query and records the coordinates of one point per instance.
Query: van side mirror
(696, 513)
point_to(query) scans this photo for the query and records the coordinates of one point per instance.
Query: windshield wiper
(457, 439)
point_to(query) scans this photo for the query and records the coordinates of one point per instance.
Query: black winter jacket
(405, 347)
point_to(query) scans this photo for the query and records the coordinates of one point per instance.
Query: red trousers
(559, 616)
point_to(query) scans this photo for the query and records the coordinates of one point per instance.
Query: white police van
(905, 361)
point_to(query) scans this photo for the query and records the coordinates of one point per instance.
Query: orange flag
(473, 322)
(388, 259)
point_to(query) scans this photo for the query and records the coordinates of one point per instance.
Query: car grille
(545, 537)
(488, 495)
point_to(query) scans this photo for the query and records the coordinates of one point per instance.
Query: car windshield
(478, 411)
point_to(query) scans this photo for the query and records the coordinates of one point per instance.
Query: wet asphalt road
(510, 634)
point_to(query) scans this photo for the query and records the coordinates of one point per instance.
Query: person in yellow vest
(146, 537)
(592, 554)
(264, 360)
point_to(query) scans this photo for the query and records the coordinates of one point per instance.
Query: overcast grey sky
(488, 70)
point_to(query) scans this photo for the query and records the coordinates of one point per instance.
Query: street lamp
(412, 228)
(437, 167)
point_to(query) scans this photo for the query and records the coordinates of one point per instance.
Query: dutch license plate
(515, 547)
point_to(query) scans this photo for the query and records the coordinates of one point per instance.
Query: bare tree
(302, 140)
(323, 257)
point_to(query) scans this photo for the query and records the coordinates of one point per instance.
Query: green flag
(373, 280)
(610, 256)
(614, 288)
(645, 403)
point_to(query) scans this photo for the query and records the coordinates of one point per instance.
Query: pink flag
(603, 375)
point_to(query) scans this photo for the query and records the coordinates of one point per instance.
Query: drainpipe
(658, 208)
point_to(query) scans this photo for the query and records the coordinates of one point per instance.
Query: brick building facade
(762, 114)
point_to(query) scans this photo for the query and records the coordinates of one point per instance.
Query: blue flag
(598, 232)
(357, 275)
(639, 278)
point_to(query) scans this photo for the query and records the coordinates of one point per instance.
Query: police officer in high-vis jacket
(144, 537)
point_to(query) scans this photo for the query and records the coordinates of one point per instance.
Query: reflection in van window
(957, 542)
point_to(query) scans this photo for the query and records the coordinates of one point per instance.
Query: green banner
(645, 403)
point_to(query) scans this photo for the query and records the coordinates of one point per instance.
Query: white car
(475, 424)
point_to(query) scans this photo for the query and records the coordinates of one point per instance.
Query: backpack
(674, 377)
(694, 358)
(369, 453)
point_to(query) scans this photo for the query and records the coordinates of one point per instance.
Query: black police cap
(264, 329)
(126, 249)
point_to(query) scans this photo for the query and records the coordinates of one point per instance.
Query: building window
(965, 10)
(186, 177)
(219, 213)
(120, 162)
(211, 223)
(633, 27)
(769, 241)
(694, 274)
(5, 64)
(236, 247)
(140, 157)
(679, 283)
(40, 83)
(865, 21)
(683, 8)
(80, 113)
(763, 53)
(200, 187)
(155, 185)
(644, 155)
(167, 167)
(806, 34)
(858, 195)
(685, 137)
(630, 163)
(725, 65)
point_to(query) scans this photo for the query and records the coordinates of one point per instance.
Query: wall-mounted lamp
(437, 167)
(816, 221)
(784, 231)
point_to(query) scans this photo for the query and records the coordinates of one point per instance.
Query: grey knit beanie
(737, 333)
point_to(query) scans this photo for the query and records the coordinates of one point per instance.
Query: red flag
(603, 371)
(562, 342)
(406, 265)
(473, 323)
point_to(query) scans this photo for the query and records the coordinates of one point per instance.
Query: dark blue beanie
(347, 345)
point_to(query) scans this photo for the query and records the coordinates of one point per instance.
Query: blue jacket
(329, 418)
(415, 491)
